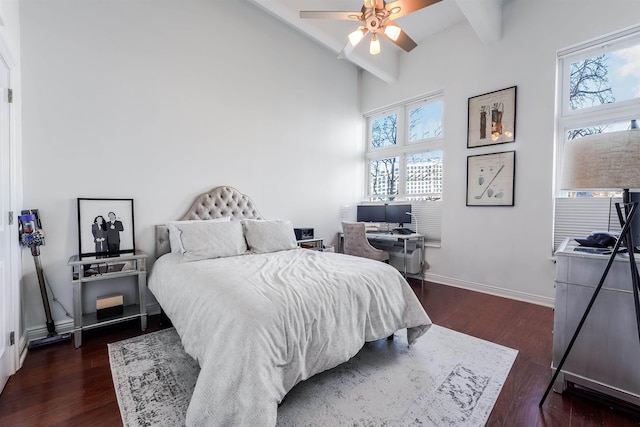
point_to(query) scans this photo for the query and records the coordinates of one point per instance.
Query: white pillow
(207, 239)
(269, 236)
(174, 233)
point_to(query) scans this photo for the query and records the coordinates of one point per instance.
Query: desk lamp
(415, 218)
(597, 162)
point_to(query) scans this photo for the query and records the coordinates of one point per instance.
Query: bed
(260, 314)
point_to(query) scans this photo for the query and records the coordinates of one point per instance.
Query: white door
(7, 308)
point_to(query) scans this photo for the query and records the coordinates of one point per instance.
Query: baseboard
(491, 290)
(23, 350)
(40, 332)
(153, 309)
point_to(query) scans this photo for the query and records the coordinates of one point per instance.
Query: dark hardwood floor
(59, 385)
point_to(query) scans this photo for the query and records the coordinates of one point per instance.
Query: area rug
(445, 379)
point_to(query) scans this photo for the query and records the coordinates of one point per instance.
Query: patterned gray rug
(445, 379)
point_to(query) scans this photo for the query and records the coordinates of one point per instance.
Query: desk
(408, 242)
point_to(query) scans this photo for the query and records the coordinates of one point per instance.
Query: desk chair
(356, 243)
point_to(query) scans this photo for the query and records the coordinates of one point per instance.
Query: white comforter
(259, 324)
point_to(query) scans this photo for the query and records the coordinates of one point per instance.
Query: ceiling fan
(376, 17)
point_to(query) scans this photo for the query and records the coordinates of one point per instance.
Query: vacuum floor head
(49, 340)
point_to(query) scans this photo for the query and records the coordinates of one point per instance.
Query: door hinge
(10, 96)
(12, 338)
(10, 217)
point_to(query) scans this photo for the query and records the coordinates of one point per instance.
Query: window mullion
(402, 175)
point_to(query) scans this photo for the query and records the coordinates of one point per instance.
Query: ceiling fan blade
(403, 40)
(344, 16)
(408, 6)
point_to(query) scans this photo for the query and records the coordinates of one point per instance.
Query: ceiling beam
(485, 17)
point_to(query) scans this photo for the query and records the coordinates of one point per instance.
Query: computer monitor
(371, 213)
(398, 214)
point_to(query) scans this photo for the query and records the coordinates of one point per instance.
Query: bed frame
(219, 202)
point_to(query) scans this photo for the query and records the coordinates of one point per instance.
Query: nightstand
(314, 244)
(89, 270)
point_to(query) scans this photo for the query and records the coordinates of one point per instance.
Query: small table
(93, 269)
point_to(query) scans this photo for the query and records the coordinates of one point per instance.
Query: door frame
(17, 351)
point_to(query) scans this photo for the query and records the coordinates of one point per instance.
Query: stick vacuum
(31, 235)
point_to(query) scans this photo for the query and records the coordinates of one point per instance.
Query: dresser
(606, 355)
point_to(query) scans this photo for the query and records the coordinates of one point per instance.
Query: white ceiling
(484, 16)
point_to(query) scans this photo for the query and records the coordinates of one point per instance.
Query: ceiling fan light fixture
(375, 16)
(374, 47)
(357, 35)
(392, 31)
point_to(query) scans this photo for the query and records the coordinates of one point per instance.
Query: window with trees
(599, 91)
(404, 158)
(404, 151)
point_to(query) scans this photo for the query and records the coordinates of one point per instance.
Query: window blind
(429, 217)
(578, 217)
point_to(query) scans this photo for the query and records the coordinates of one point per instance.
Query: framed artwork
(492, 118)
(491, 179)
(105, 227)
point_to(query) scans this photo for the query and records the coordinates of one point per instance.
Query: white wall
(505, 250)
(161, 100)
(10, 28)
(188, 101)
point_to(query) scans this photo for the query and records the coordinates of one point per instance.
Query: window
(405, 158)
(599, 91)
(404, 151)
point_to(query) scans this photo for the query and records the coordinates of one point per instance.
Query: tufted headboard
(219, 202)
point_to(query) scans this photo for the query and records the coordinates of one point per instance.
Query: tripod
(626, 236)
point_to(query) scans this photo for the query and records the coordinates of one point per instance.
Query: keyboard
(403, 231)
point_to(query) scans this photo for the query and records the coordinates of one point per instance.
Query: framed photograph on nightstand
(105, 227)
